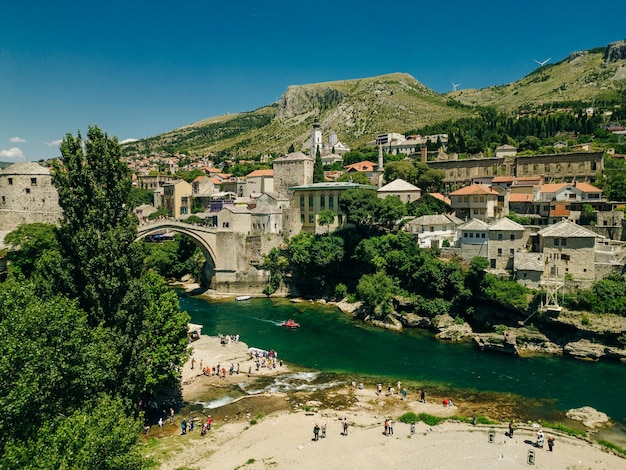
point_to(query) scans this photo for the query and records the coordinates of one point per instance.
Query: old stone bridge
(232, 258)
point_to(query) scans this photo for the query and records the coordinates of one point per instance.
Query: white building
(406, 191)
(432, 230)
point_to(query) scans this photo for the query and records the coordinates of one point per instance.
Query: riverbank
(276, 429)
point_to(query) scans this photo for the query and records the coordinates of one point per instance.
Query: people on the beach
(183, 426)
(345, 426)
(209, 421)
(386, 431)
(316, 431)
(390, 427)
(540, 438)
(324, 430)
(161, 422)
(404, 393)
(511, 428)
(422, 396)
(171, 415)
(550, 443)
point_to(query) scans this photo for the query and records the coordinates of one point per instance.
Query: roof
(260, 173)
(560, 211)
(520, 197)
(553, 187)
(502, 179)
(236, 209)
(25, 168)
(363, 166)
(506, 224)
(293, 156)
(332, 185)
(475, 224)
(506, 147)
(474, 189)
(528, 262)
(588, 188)
(398, 185)
(567, 229)
(441, 197)
(436, 219)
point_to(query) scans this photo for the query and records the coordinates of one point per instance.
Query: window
(499, 236)
(563, 241)
(311, 217)
(432, 229)
(512, 238)
(512, 252)
(301, 218)
(27, 190)
(301, 201)
(331, 201)
(10, 181)
(322, 201)
(310, 201)
(471, 234)
(499, 251)
(556, 242)
(482, 235)
(340, 219)
(33, 181)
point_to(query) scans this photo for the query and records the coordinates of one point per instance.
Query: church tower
(316, 137)
(380, 170)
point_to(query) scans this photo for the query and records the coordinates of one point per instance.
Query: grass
(412, 418)
(565, 429)
(256, 419)
(612, 446)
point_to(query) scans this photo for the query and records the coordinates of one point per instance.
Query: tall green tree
(28, 242)
(360, 206)
(318, 168)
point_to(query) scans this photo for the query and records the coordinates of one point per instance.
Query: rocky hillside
(593, 76)
(358, 110)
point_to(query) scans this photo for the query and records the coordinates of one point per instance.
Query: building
(506, 238)
(366, 167)
(152, 182)
(202, 188)
(481, 202)
(177, 198)
(407, 192)
(568, 250)
(433, 230)
(311, 199)
(27, 196)
(473, 239)
(293, 169)
(259, 182)
(505, 150)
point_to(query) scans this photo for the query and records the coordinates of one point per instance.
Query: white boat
(242, 297)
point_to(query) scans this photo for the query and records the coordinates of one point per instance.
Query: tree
(354, 177)
(360, 206)
(28, 242)
(326, 218)
(318, 168)
(401, 169)
(390, 212)
(376, 291)
(291, 149)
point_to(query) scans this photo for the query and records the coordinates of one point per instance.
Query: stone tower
(293, 169)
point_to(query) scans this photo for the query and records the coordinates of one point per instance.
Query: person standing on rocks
(511, 429)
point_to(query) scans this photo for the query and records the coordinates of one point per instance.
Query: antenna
(455, 85)
(542, 63)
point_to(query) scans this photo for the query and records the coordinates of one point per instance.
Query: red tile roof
(474, 189)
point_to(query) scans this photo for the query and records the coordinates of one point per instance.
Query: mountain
(597, 75)
(357, 110)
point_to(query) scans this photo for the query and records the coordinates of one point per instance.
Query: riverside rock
(589, 416)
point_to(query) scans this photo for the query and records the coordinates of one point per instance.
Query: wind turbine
(454, 85)
(541, 64)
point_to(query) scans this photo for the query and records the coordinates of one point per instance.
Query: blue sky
(138, 68)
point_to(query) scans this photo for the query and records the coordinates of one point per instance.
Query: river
(331, 341)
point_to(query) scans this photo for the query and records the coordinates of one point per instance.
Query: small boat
(239, 298)
(290, 324)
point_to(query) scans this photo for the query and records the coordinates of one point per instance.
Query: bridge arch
(203, 237)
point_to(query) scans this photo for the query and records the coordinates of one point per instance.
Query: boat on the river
(290, 324)
(239, 298)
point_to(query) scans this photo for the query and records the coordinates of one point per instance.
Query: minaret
(380, 170)
(316, 138)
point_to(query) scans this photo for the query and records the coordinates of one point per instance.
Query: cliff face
(614, 52)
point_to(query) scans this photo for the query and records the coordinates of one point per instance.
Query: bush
(610, 445)
(429, 419)
(565, 429)
(341, 291)
(408, 418)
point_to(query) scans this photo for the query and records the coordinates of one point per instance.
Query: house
(259, 181)
(473, 239)
(404, 190)
(480, 202)
(311, 199)
(366, 167)
(570, 192)
(202, 188)
(528, 269)
(234, 219)
(177, 198)
(568, 250)
(506, 238)
(505, 150)
(432, 230)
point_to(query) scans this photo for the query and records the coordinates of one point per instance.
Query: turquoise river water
(331, 341)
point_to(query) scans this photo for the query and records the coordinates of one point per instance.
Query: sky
(138, 68)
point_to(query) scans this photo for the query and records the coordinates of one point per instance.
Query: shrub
(429, 419)
(564, 429)
(341, 291)
(610, 445)
(585, 320)
(408, 418)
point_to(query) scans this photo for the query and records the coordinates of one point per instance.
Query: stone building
(432, 230)
(568, 249)
(479, 201)
(27, 196)
(563, 167)
(406, 191)
(293, 169)
(506, 238)
(473, 239)
(177, 198)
